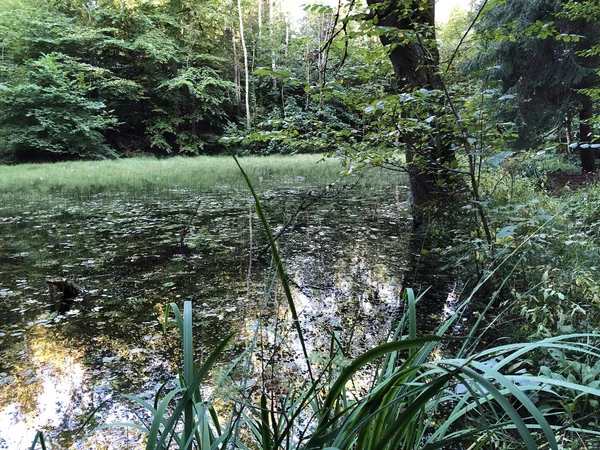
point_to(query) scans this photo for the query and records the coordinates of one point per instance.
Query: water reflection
(44, 390)
(345, 256)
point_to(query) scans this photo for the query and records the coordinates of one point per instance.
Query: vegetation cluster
(488, 117)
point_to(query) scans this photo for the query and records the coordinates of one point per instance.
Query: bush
(48, 111)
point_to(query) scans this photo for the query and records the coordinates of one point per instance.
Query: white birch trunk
(271, 26)
(246, 71)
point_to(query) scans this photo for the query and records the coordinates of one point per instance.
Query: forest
(261, 224)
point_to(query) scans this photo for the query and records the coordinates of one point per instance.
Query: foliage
(193, 96)
(588, 12)
(550, 274)
(163, 90)
(453, 400)
(535, 50)
(48, 110)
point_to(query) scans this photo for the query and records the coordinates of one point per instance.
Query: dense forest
(490, 120)
(119, 78)
(173, 77)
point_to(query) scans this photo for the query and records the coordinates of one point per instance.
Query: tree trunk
(287, 40)
(307, 60)
(588, 160)
(569, 129)
(259, 19)
(237, 79)
(236, 63)
(415, 61)
(272, 42)
(246, 70)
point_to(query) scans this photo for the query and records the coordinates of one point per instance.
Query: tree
(539, 51)
(155, 66)
(47, 111)
(409, 37)
(246, 69)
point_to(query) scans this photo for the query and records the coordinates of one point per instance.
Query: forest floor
(561, 181)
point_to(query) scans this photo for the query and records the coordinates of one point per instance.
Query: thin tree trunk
(236, 70)
(287, 39)
(588, 160)
(246, 70)
(307, 59)
(569, 129)
(236, 63)
(271, 26)
(325, 32)
(259, 18)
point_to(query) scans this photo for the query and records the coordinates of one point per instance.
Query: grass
(143, 175)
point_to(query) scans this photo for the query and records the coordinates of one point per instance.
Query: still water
(346, 250)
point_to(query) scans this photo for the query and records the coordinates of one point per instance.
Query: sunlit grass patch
(150, 175)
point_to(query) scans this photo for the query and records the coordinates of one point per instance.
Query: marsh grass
(150, 175)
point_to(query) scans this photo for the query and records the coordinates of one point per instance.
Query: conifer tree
(539, 52)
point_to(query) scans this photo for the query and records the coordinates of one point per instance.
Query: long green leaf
(504, 404)
(188, 368)
(264, 423)
(39, 436)
(523, 399)
(157, 421)
(356, 365)
(189, 391)
(279, 265)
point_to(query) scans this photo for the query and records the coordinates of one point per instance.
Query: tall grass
(141, 175)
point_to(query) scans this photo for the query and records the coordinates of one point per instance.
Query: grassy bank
(139, 175)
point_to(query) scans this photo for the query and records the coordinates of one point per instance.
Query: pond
(346, 248)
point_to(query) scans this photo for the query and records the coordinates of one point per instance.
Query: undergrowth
(554, 287)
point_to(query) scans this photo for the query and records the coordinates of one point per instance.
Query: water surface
(346, 254)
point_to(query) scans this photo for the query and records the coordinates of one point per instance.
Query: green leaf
(506, 232)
